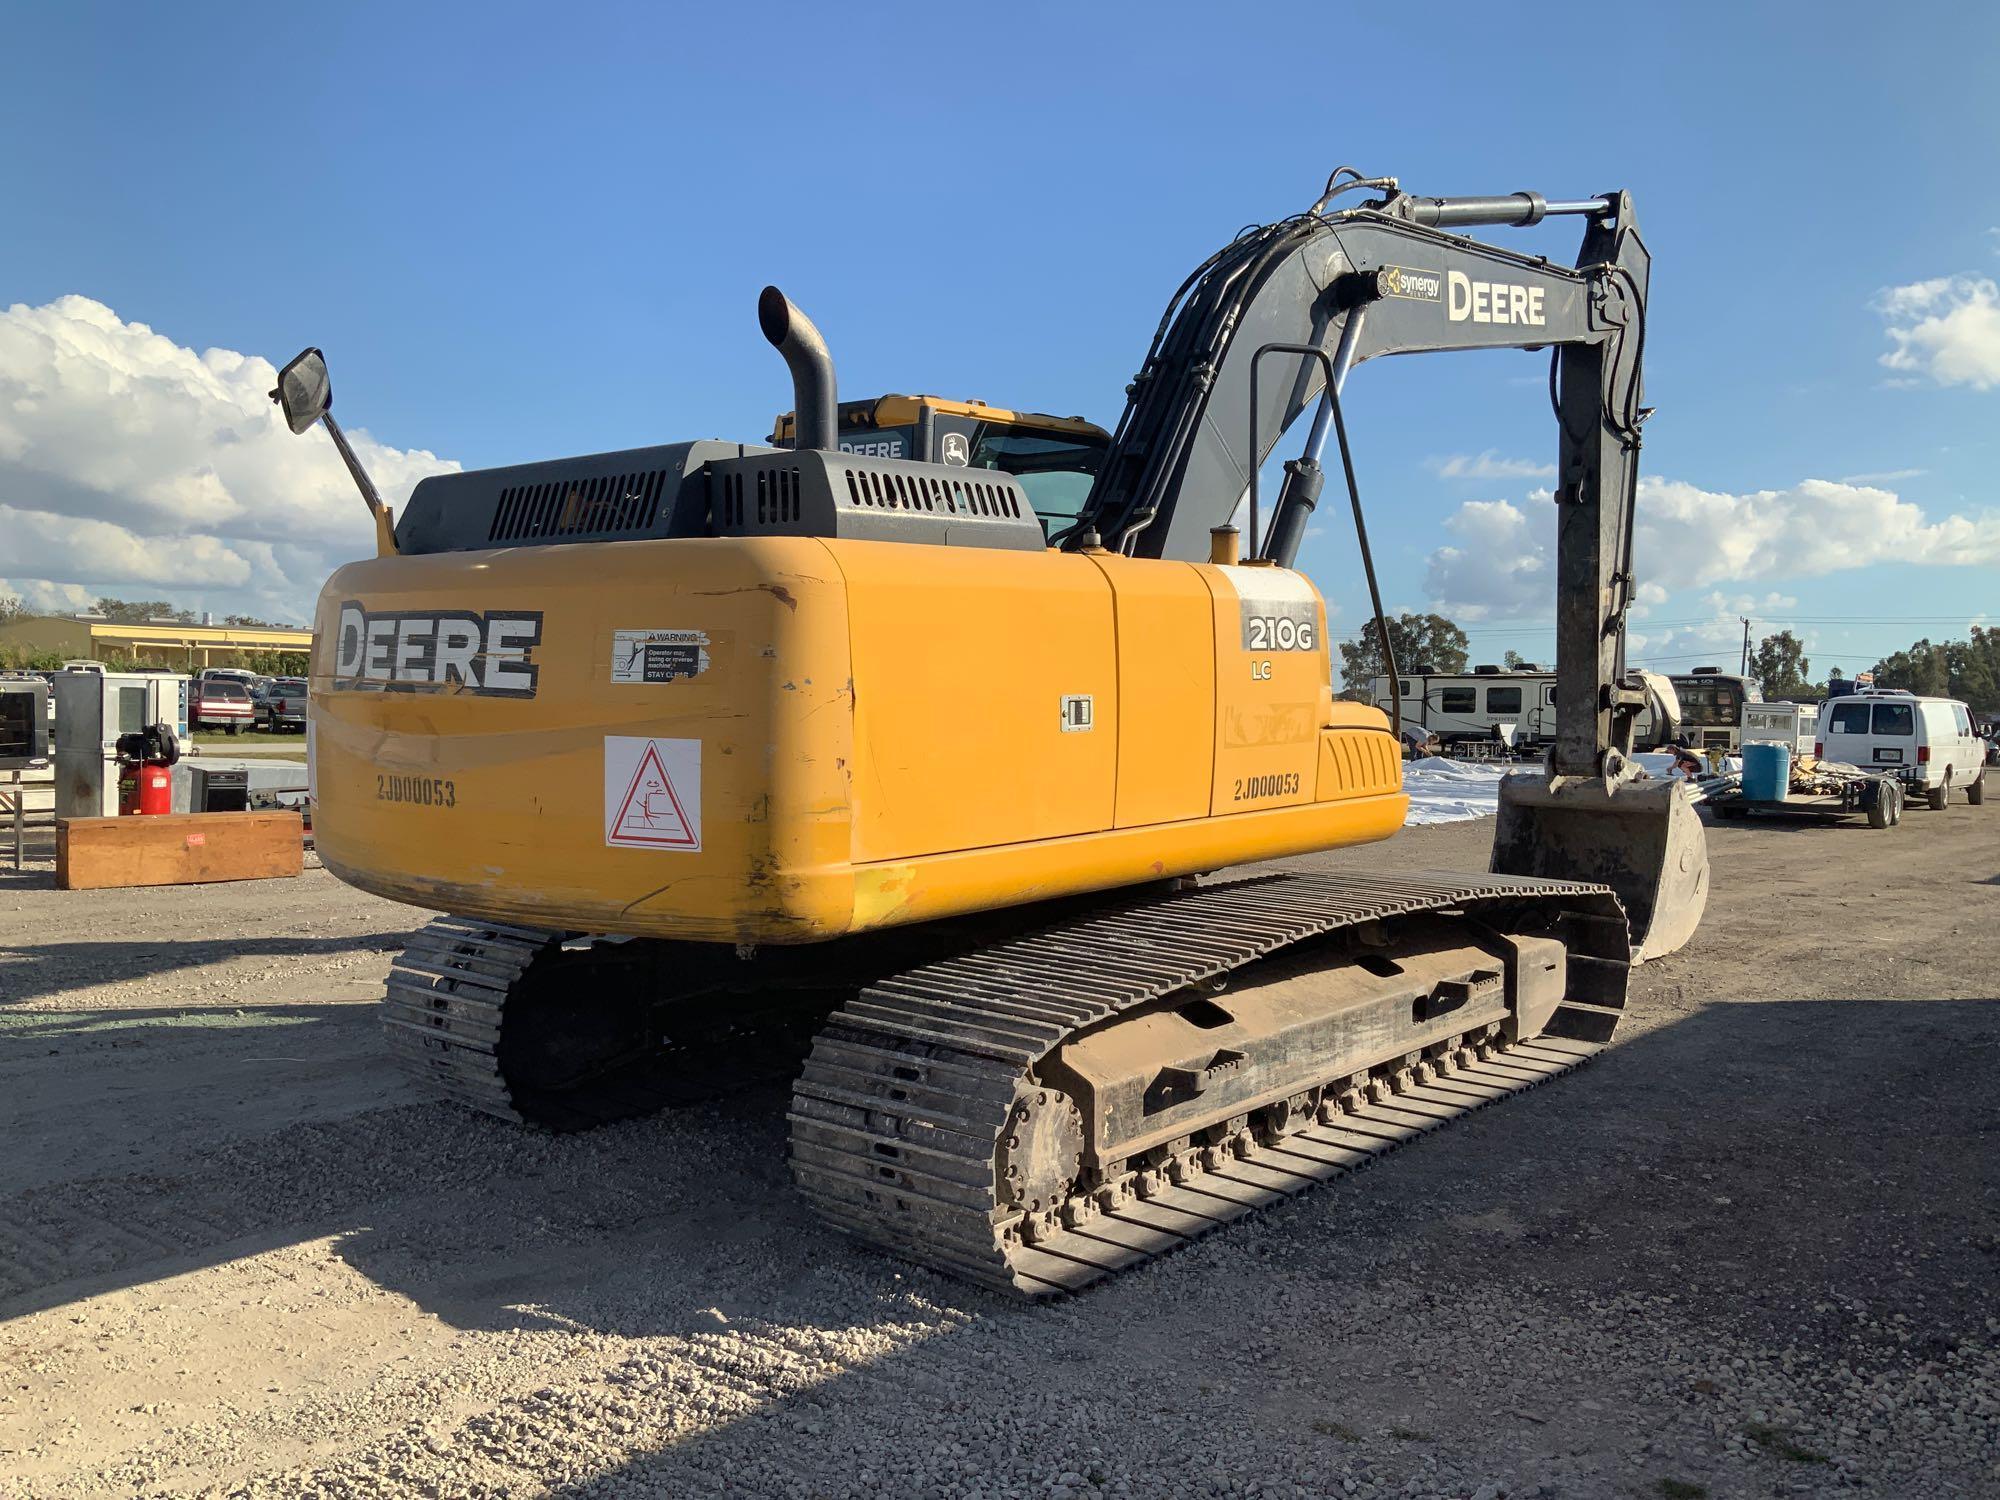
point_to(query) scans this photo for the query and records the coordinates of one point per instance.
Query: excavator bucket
(1641, 838)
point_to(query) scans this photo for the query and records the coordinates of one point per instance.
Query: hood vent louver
(931, 493)
(817, 492)
(607, 505)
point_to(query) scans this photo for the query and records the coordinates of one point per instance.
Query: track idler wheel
(1041, 1152)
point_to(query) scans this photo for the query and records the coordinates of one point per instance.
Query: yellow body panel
(1270, 702)
(961, 666)
(846, 734)
(1166, 689)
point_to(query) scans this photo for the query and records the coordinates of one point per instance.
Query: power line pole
(1746, 644)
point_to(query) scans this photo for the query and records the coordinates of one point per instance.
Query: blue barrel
(1767, 771)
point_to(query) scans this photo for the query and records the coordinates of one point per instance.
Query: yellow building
(159, 643)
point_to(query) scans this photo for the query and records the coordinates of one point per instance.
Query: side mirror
(304, 390)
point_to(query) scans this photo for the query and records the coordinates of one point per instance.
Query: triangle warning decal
(651, 813)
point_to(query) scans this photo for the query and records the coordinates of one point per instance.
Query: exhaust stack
(792, 334)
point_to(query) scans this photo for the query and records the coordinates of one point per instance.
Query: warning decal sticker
(658, 655)
(652, 793)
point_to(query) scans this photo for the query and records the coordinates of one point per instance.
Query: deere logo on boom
(1493, 302)
(414, 650)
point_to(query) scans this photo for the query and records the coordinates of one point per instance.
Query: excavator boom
(1390, 277)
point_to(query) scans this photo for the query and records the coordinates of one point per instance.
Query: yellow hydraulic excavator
(707, 747)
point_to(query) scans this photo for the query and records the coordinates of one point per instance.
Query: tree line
(1968, 670)
(135, 612)
(140, 612)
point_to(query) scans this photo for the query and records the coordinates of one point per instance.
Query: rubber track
(443, 1010)
(897, 1115)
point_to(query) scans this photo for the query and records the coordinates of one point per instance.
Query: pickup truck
(282, 705)
(221, 704)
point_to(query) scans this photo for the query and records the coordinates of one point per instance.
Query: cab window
(1055, 468)
(1458, 700)
(1503, 700)
(1895, 718)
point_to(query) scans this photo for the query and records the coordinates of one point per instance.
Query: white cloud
(1717, 640)
(1488, 465)
(1886, 476)
(130, 462)
(1649, 596)
(1947, 328)
(1690, 537)
(1501, 562)
(44, 597)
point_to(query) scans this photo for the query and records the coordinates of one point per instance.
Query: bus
(1714, 704)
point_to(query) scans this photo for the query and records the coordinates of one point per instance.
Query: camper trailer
(1485, 706)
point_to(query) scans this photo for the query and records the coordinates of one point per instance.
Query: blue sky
(521, 232)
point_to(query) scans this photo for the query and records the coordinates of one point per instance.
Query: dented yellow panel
(489, 796)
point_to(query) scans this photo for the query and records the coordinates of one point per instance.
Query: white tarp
(1450, 791)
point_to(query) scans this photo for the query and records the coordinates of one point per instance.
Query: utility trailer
(1879, 799)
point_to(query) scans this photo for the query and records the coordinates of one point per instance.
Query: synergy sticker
(658, 655)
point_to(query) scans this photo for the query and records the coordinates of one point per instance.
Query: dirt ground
(1754, 1249)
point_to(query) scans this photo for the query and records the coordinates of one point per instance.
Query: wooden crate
(177, 849)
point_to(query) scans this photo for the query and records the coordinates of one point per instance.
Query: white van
(1927, 743)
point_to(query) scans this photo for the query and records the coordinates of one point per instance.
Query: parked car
(281, 708)
(221, 703)
(1925, 743)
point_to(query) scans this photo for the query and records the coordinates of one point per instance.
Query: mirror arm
(385, 535)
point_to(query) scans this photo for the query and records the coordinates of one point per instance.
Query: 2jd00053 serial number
(417, 791)
(1256, 788)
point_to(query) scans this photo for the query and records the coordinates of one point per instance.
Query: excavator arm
(1247, 347)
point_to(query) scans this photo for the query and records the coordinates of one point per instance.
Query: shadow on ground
(1762, 1164)
(30, 971)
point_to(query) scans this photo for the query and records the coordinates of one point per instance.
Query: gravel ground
(1753, 1250)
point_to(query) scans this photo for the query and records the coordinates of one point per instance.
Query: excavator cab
(1054, 458)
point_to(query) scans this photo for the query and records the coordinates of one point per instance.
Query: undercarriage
(1036, 1112)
